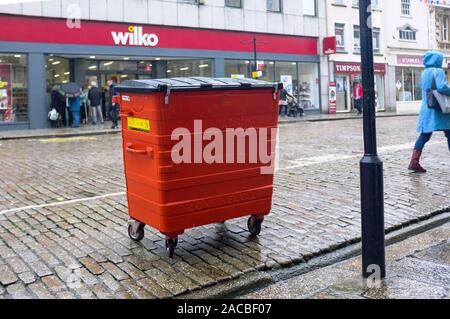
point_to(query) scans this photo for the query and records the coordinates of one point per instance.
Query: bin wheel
(170, 246)
(136, 233)
(254, 225)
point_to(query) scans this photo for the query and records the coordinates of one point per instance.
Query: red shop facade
(347, 75)
(44, 52)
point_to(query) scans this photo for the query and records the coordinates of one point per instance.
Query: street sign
(332, 98)
(329, 45)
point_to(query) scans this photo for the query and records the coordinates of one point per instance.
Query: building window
(407, 33)
(233, 3)
(13, 88)
(356, 39)
(339, 31)
(406, 7)
(444, 28)
(408, 84)
(376, 39)
(274, 5)
(309, 8)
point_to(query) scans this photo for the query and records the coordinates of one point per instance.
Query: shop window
(118, 66)
(286, 72)
(57, 71)
(268, 71)
(309, 86)
(237, 68)
(13, 88)
(186, 68)
(408, 84)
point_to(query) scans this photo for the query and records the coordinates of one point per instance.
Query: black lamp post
(255, 51)
(372, 189)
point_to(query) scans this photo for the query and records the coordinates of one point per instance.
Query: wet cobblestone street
(63, 213)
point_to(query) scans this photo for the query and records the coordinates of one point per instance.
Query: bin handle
(148, 151)
(126, 113)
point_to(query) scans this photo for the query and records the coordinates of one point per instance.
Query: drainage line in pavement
(73, 201)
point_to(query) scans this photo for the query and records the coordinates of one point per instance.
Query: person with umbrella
(72, 91)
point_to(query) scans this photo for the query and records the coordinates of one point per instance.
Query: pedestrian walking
(104, 100)
(74, 108)
(431, 119)
(95, 98)
(58, 102)
(84, 105)
(283, 102)
(357, 97)
(113, 107)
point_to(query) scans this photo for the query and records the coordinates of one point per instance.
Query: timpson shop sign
(135, 37)
(354, 68)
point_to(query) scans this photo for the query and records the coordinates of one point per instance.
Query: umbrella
(70, 89)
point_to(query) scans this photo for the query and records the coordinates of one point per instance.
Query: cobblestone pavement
(417, 268)
(63, 213)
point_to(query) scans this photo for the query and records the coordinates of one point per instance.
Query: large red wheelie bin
(168, 126)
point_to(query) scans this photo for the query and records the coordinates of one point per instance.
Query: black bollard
(372, 188)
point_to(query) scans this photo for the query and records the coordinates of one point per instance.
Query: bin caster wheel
(254, 225)
(170, 246)
(136, 231)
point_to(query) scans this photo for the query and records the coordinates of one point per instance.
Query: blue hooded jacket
(431, 120)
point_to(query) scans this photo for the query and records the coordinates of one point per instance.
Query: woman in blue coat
(431, 120)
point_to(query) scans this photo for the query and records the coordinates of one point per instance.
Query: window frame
(405, 8)
(233, 6)
(275, 11)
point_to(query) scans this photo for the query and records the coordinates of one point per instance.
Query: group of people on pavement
(91, 101)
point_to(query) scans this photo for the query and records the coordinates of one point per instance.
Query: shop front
(44, 52)
(347, 76)
(408, 88)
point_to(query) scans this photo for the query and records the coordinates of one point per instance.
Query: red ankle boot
(415, 163)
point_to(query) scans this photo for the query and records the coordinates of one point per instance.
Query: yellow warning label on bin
(137, 124)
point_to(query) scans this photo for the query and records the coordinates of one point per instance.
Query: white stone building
(401, 31)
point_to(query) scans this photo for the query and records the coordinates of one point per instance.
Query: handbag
(436, 100)
(53, 115)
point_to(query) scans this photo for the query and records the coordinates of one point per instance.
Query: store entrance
(343, 93)
(345, 89)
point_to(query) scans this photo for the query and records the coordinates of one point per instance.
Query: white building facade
(401, 35)
(84, 40)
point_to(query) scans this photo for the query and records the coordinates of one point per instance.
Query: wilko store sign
(135, 37)
(95, 33)
(354, 68)
(329, 45)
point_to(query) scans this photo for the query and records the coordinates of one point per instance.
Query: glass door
(342, 93)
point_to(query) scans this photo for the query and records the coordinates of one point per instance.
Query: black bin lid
(193, 83)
